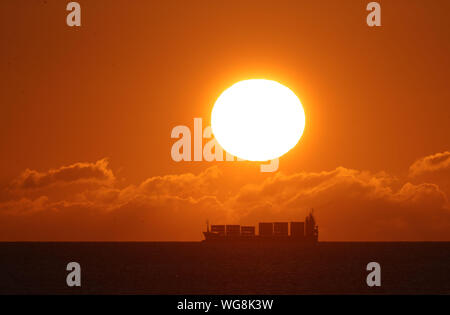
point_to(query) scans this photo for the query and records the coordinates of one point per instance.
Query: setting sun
(258, 120)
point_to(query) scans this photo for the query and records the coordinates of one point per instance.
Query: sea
(231, 268)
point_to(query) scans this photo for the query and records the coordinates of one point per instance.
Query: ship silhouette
(301, 232)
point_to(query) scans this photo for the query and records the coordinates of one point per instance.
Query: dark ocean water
(198, 268)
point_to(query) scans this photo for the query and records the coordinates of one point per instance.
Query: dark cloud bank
(84, 202)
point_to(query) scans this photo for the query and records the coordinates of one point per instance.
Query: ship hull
(214, 238)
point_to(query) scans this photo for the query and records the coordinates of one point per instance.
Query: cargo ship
(301, 232)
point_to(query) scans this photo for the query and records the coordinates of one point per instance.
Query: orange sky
(376, 101)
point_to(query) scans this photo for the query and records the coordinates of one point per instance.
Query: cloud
(79, 172)
(434, 168)
(184, 185)
(349, 205)
(432, 163)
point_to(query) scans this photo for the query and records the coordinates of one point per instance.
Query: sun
(257, 120)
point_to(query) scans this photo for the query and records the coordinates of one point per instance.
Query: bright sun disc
(257, 120)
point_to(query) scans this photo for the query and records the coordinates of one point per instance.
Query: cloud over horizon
(350, 204)
(432, 163)
(77, 172)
